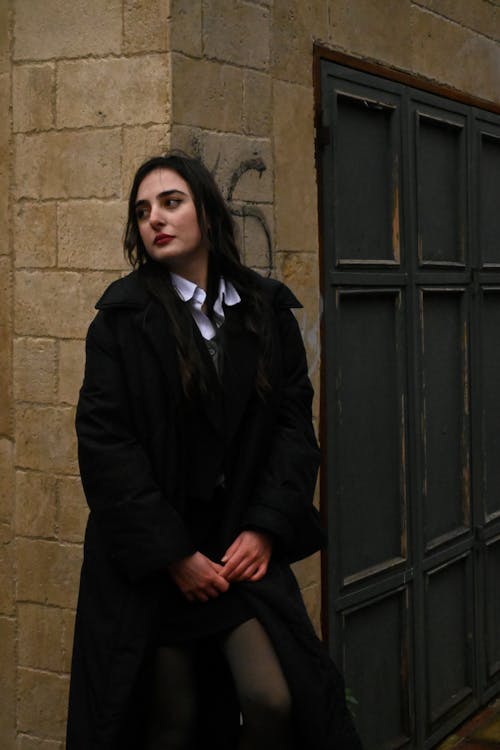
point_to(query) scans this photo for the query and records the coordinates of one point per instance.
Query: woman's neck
(196, 273)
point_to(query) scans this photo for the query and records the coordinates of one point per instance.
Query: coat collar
(127, 292)
(240, 346)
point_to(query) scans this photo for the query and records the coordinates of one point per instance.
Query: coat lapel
(224, 406)
(158, 332)
(240, 364)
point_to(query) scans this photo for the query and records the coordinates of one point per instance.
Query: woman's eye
(141, 214)
(172, 202)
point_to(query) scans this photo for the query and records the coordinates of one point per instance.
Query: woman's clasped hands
(201, 579)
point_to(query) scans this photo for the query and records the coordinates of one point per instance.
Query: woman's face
(168, 224)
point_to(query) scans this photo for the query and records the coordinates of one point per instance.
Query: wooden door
(410, 205)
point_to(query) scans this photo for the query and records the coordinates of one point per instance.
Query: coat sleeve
(140, 528)
(282, 501)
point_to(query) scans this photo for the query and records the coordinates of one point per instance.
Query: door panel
(441, 154)
(371, 429)
(411, 408)
(385, 658)
(492, 602)
(490, 412)
(489, 190)
(450, 672)
(444, 414)
(368, 169)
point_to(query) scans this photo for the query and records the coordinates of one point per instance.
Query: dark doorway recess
(410, 224)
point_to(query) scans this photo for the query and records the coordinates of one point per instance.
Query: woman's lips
(163, 239)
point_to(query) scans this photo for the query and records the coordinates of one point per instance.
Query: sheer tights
(263, 693)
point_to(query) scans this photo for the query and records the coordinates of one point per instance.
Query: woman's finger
(259, 573)
(247, 574)
(232, 549)
(246, 566)
(238, 563)
(232, 563)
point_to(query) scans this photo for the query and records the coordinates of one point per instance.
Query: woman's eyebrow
(162, 195)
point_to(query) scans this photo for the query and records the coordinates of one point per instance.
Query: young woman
(198, 460)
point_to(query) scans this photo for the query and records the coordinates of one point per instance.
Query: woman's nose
(156, 217)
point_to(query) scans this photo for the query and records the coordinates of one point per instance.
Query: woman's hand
(198, 577)
(248, 556)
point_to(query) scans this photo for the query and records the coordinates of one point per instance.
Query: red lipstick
(163, 239)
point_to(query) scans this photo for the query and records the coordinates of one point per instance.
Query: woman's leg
(264, 696)
(173, 711)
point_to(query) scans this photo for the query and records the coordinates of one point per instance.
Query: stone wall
(88, 90)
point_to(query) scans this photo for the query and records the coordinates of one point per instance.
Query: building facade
(90, 89)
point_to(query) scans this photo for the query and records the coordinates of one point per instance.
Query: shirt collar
(194, 296)
(188, 291)
(184, 288)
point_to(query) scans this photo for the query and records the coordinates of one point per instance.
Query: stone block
(124, 91)
(42, 703)
(296, 24)
(295, 177)
(145, 26)
(36, 499)
(7, 683)
(90, 233)
(48, 572)
(239, 232)
(258, 236)
(5, 122)
(257, 103)
(241, 166)
(308, 571)
(35, 370)
(68, 631)
(312, 599)
(237, 33)
(71, 295)
(363, 28)
(7, 583)
(45, 438)
(301, 273)
(71, 365)
(68, 164)
(5, 346)
(35, 743)
(4, 38)
(35, 234)
(315, 377)
(40, 634)
(220, 105)
(5, 155)
(436, 41)
(483, 17)
(186, 27)
(187, 138)
(6, 480)
(73, 510)
(62, 29)
(33, 97)
(139, 144)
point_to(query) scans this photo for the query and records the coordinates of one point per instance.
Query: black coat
(135, 468)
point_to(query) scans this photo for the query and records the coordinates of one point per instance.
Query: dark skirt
(180, 621)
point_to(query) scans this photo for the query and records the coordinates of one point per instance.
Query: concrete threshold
(481, 732)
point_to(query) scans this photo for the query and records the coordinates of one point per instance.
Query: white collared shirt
(195, 296)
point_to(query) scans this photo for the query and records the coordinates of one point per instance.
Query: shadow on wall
(250, 218)
(254, 212)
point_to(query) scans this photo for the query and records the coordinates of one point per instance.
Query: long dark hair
(217, 231)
